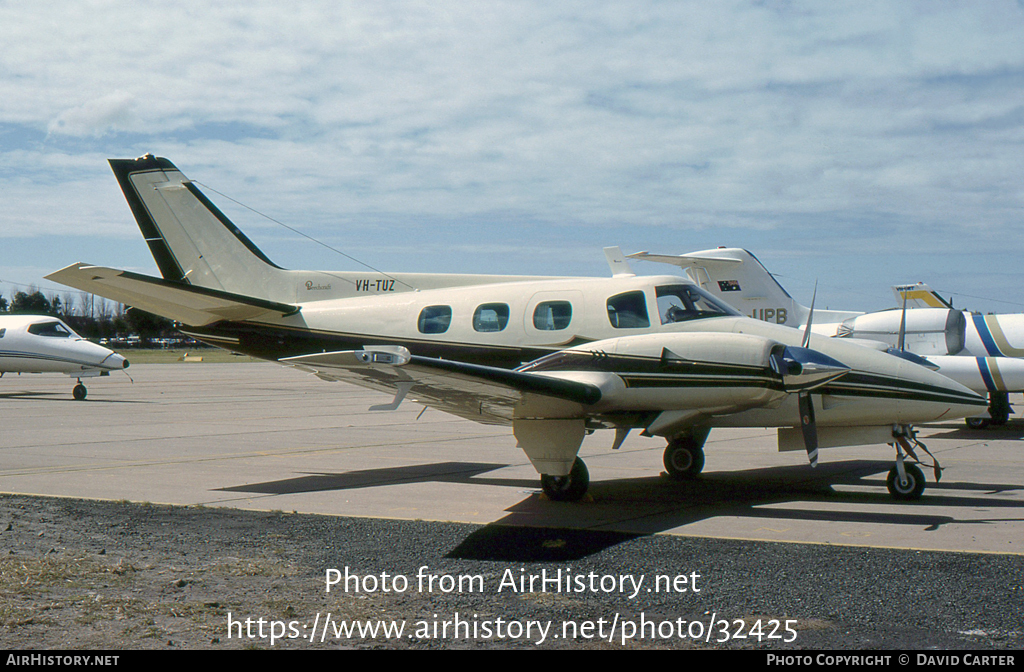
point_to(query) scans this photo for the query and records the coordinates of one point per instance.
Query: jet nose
(115, 361)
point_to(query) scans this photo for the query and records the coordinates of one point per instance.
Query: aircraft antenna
(901, 343)
(304, 235)
(810, 316)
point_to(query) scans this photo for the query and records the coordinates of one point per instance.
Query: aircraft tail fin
(192, 241)
(617, 263)
(919, 295)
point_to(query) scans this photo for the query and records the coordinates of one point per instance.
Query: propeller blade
(809, 426)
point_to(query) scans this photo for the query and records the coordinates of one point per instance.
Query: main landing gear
(568, 488)
(998, 411)
(684, 455)
(79, 391)
(684, 458)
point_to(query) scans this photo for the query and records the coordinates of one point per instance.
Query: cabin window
(679, 303)
(552, 315)
(52, 329)
(2, 332)
(435, 319)
(628, 311)
(490, 317)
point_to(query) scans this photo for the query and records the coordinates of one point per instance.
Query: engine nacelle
(700, 373)
(928, 331)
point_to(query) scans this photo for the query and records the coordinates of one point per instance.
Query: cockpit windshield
(680, 303)
(53, 329)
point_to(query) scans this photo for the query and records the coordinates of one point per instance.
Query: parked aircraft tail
(919, 295)
(192, 241)
(195, 244)
(737, 277)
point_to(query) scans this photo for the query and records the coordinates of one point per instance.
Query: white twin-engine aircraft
(43, 344)
(651, 353)
(974, 350)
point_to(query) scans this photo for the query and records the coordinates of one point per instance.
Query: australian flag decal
(729, 285)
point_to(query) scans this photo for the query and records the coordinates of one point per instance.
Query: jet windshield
(54, 329)
(680, 303)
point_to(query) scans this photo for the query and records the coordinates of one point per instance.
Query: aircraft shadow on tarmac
(615, 511)
(29, 395)
(441, 472)
(65, 396)
(626, 509)
(1008, 432)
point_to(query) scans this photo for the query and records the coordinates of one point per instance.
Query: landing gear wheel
(910, 490)
(79, 392)
(567, 488)
(999, 408)
(684, 458)
(977, 423)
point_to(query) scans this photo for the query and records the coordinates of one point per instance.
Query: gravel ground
(78, 574)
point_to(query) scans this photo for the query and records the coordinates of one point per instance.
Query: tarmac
(264, 437)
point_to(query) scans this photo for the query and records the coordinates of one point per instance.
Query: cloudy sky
(856, 144)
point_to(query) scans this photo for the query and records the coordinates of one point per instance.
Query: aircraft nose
(115, 361)
(956, 399)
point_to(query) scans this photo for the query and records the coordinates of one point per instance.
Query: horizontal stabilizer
(189, 304)
(684, 260)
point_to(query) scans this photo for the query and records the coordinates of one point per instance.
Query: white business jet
(43, 344)
(974, 350)
(655, 353)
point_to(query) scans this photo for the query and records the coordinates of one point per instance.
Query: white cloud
(113, 112)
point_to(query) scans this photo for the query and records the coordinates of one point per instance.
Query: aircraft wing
(483, 394)
(190, 304)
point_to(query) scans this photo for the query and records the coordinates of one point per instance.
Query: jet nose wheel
(79, 392)
(977, 423)
(567, 488)
(909, 489)
(684, 459)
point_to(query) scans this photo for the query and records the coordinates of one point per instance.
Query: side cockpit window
(552, 315)
(50, 329)
(679, 303)
(435, 319)
(628, 311)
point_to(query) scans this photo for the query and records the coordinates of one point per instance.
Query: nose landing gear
(906, 481)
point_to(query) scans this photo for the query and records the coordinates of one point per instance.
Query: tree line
(90, 316)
